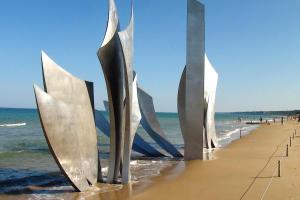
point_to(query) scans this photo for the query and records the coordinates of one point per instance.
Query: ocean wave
(227, 134)
(13, 125)
(225, 137)
(10, 152)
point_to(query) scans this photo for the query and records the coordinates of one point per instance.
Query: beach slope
(246, 169)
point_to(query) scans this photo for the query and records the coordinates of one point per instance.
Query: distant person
(274, 120)
(281, 120)
(260, 119)
(239, 120)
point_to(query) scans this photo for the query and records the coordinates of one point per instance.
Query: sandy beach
(149, 100)
(245, 169)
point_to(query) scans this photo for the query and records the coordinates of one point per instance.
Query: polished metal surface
(139, 144)
(132, 111)
(191, 103)
(58, 119)
(135, 110)
(77, 95)
(210, 87)
(116, 57)
(112, 61)
(66, 114)
(151, 124)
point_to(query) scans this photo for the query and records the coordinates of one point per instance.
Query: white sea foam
(226, 137)
(227, 134)
(13, 125)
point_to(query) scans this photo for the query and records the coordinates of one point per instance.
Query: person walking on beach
(260, 119)
(281, 120)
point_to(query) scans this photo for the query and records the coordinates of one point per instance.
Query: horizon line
(253, 111)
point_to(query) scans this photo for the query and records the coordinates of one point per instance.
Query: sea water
(25, 160)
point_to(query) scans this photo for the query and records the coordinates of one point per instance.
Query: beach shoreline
(241, 170)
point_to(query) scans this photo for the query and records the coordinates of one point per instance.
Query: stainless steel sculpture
(132, 111)
(116, 57)
(191, 88)
(210, 87)
(112, 62)
(66, 114)
(151, 124)
(139, 144)
(197, 89)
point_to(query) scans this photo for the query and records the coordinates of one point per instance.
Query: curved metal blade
(191, 90)
(151, 124)
(72, 91)
(62, 125)
(126, 39)
(112, 62)
(210, 87)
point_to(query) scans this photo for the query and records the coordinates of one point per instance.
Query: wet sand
(246, 169)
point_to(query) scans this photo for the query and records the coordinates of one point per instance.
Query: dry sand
(246, 169)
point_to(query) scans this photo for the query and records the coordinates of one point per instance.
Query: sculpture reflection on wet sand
(197, 89)
(66, 114)
(116, 58)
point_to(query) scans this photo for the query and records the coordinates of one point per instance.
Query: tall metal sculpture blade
(210, 87)
(191, 89)
(59, 124)
(111, 59)
(139, 144)
(64, 87)
(66, 114)
(130, 128)
(132, 111)
(67, 88)
(151, 124)
(126, 39)
(59, 83)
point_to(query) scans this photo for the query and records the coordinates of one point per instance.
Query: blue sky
(254, 45)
